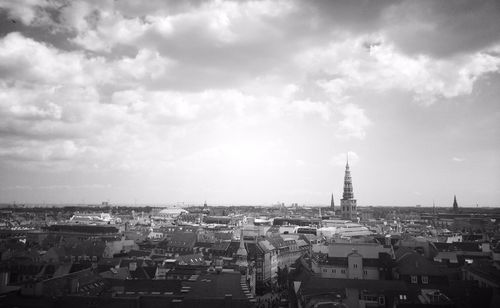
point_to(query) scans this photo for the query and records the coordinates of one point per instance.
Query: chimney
(485, 247)
(227, 300)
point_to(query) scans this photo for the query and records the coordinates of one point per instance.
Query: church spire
(348, 192)
(332, 204)
(455, 204)
(348, 203)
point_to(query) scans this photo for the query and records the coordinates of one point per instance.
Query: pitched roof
(458, 246)
(221, 246)
(182, 239)
(266, 246)
(367, 250)
(116, 273)
(486, 270)
(416, 264)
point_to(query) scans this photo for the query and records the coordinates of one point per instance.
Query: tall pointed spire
(455, 204)
(348, 203)
(332, 204)
(348, 192)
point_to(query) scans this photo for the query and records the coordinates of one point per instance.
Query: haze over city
(249, 102)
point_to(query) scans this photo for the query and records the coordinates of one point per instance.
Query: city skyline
(250, 102)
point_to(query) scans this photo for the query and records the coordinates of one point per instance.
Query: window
(355, 265)
(381, 300)
(413, 279)
(365, 272)
(333, 271)
(342, 271)
(425, 279)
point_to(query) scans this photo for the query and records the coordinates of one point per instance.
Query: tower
(348, 203)
(332, 204)
(241, 254)
(455, 204)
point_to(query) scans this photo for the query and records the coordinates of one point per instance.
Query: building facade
(353, 261)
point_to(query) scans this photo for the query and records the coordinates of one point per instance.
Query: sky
(250, 102)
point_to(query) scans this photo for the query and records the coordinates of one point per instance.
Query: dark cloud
(444, 28)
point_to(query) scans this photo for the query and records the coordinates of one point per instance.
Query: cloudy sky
(249, 102)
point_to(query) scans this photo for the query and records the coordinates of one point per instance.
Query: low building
(354, 261)
(418, 271)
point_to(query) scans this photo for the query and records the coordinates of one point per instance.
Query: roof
(138, 253)
(172, 211)
(344, 262)
(486, 270)
(416, 264)
(149, 285)
(116, 273)
(221, 246)
(367, 250)
(141, 273)
(266, 245)
(183, 239)
(317, 285)
(223, 235)
(458, 246)
(91, 229)
(191, 259)
(216, 286)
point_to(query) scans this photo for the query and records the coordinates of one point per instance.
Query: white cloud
(458, 159)
(381, 67)
(354, 123)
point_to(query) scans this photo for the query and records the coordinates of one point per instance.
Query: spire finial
(347, 159)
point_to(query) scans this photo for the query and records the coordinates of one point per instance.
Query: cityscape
(249, 256)
(253, 153)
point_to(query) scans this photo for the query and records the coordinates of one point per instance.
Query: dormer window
(425, 279)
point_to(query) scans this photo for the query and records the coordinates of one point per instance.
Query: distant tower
(332, 204)
(455, 204)
(348, 203)
(205, 209)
